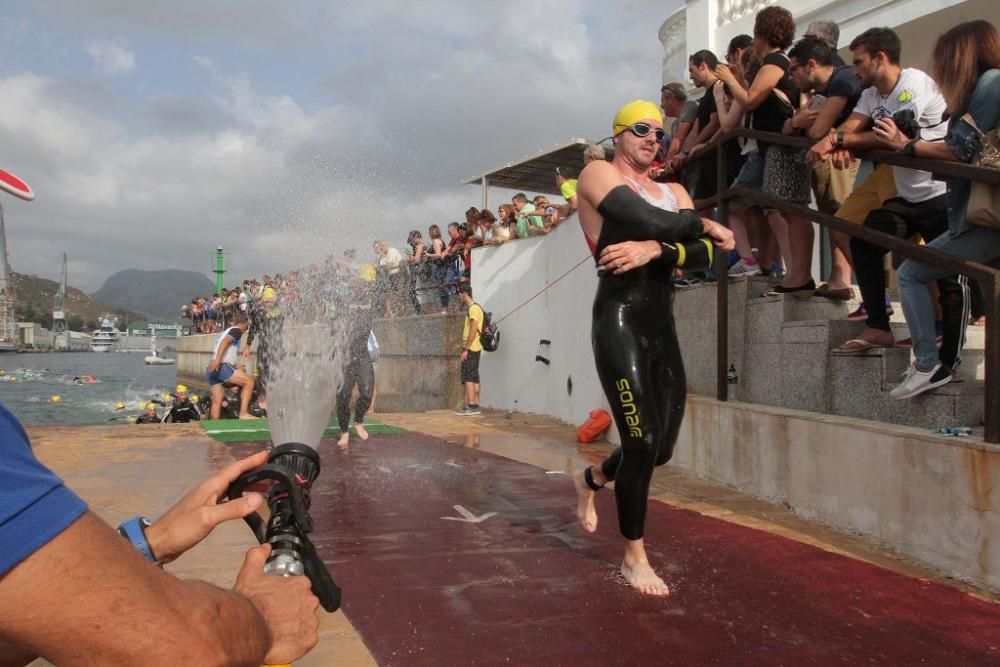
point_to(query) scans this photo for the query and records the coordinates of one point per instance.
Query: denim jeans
(978, 244)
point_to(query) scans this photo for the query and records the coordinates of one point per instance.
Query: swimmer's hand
(195, 515)
(723, 238)
(628, 255)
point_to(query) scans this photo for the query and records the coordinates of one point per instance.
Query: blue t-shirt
(35, 505)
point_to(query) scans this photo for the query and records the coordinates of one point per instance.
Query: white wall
(506, 276)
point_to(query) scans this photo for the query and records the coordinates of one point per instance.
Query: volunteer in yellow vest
(471, 349)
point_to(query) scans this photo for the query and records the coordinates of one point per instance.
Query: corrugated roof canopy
(537, 174)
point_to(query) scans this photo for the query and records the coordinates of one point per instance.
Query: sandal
(859, 345)
(843, 294)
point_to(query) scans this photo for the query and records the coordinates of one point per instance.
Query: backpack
(489, 337)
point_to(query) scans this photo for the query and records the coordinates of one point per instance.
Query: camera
(907, 123)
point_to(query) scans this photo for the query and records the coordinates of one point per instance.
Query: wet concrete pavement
(525, 586)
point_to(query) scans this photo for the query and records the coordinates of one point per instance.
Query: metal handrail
(988, 277)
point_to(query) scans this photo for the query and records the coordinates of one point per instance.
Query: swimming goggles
(643, 129)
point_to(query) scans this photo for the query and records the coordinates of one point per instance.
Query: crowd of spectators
(772, 83)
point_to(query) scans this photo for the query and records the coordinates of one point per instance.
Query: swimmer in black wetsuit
(357, 364)
(640, 232)
(266, 324)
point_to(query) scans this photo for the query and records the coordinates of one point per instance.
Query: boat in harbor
(154, 358)
(106, 338)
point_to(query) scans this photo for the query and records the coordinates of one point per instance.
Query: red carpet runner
(527, 587)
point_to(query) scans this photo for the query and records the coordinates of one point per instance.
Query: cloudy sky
(153, 132)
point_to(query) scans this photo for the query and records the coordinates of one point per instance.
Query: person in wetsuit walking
(266, 324)
(359, 371)
(640, 232)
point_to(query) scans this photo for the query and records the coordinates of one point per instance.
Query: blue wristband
(134, 530)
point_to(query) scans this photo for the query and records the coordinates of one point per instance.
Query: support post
(722, 284)
(991, 399)
(486, 195)
(219, 269)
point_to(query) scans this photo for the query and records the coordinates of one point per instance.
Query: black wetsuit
(183, 412)
(267, 324)
(635, 345)
(147, 419)
(357, 366)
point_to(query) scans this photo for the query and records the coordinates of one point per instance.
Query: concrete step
(859, 386)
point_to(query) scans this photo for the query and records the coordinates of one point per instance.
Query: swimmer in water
(640, 232)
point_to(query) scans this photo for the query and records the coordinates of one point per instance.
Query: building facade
(710, 24)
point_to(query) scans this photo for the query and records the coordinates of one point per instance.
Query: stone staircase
(782, 350)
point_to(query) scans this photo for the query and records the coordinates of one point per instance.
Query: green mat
(246, 430)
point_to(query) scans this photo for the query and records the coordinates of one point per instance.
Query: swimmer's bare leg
(639, 573)
(585, 510)
(360, 430)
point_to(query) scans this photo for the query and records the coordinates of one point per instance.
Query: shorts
(470, 368)
(221, 376)
(831, 187)
(868, 195)
(751, 177)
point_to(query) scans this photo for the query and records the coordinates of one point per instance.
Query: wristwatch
(134, 530)
(840, 140)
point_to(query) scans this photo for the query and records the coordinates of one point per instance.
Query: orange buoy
(596, 424)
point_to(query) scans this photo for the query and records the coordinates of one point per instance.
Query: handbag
(984, 198)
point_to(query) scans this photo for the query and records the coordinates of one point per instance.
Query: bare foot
(344, 438)
(585, 510)
(640, 576)
(248, 416)
(360, 430)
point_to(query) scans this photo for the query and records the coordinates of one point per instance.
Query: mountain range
(36, 300)
(130, 295)
(158, 295)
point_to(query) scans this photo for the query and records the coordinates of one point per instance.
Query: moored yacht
(105, 339)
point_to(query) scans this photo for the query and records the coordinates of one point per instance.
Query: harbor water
(30, 381)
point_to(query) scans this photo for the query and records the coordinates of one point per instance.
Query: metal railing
(987, 277)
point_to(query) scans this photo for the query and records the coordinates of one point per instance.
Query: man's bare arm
(88, 597)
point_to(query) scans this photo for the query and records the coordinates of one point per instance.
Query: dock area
(512, 579)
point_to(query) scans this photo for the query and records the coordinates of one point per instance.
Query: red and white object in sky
(15, 186)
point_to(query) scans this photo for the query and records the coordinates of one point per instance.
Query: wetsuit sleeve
(639, 220)
(694, 255)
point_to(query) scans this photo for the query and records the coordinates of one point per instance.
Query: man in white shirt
(222, 370)
(907, 101)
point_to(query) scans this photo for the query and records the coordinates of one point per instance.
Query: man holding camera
(906, 101)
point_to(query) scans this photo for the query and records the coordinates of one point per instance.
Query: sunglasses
(643, 129)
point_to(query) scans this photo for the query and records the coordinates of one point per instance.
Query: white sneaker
(917, 382)
(744, 268)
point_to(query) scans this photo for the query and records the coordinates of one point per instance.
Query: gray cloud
(402, 101)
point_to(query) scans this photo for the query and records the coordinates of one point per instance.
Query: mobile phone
(817, 102)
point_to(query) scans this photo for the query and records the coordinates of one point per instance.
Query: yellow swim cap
(150, 406)
(194, 399)
(367, 272)
(119, 405)
(181, 389)
(55, 398)
(268, 293)
(635, 111)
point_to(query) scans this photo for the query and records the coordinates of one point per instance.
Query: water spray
(303, 374)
